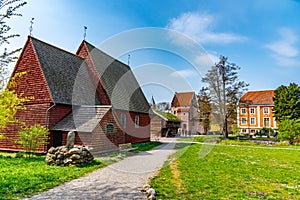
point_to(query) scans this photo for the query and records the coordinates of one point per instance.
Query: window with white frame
(266, 110)
(123, 120)
(252, 111)
(137, 121)
(244, 130)
(110, 128)
(266, 122)
(244, 120)
(243, 110)
(252, 120)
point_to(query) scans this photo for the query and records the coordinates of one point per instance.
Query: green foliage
(21, 176)
(10, 103)
(266, 131)
(287, 102)
(235, 129)
(289, 129)
(31, 138)
(9, 100)
(205, 109)
(169, 116)
(19, 155)
(230, 172)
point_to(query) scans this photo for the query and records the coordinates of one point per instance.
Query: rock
(145, 188)
(75, 157)
(75, 151)
(151, 194)
(61, 156)
(70, 140)
(51, 150)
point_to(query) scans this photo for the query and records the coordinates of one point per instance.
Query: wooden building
(163, 125)
(88, 92)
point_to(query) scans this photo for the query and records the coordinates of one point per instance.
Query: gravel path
(121, 180)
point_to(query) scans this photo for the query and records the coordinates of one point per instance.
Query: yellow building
(255, 111)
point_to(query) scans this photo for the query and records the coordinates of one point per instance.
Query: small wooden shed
(163, 125)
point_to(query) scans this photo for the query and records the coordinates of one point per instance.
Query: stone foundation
(61, 156)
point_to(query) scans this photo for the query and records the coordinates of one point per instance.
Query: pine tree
(204, 102)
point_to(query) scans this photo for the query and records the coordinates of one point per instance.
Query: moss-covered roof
(169, 116)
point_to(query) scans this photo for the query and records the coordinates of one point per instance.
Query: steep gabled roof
(264, 97)
(82, 119)
(61, 69)
(119, 82)
(182, 99)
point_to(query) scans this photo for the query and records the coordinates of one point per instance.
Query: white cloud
(200, 28)
(286, 45)
(206, 60)
(286, 61)
(184, 73)
(285, 50)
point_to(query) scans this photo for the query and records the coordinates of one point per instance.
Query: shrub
(31, 138)
(238, 142)
(289, 129)
(19, 155)
(282, 143)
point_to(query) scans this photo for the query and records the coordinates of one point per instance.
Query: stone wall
(61, 156)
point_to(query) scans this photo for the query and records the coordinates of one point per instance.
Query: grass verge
(230, 172)
(145, 146)
(22, 177)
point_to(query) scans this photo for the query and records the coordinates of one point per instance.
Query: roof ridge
(184, 92)
(115, 59)
(260, 90)
(51, 45)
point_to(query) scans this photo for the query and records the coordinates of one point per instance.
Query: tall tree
(8, 9)
(225, 89)
(287, 102)
(10, 102)
(204, 102)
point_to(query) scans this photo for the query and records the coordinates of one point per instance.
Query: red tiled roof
(182, 99)
(264, 97)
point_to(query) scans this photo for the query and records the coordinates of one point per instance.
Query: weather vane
(128, 59)
(31, 28)
(84, 32)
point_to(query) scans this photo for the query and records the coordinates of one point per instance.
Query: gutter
(47, 123)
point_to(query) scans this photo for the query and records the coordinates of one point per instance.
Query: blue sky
(261, 36)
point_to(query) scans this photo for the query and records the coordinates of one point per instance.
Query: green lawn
(230, 172)
(21, 176)
(145, 146)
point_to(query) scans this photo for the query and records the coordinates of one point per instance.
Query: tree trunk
(225, 128)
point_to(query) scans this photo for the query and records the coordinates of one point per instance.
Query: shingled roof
(264, 97)
(119, 82)
(82, 119)
(60, 69)
(182, 99)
